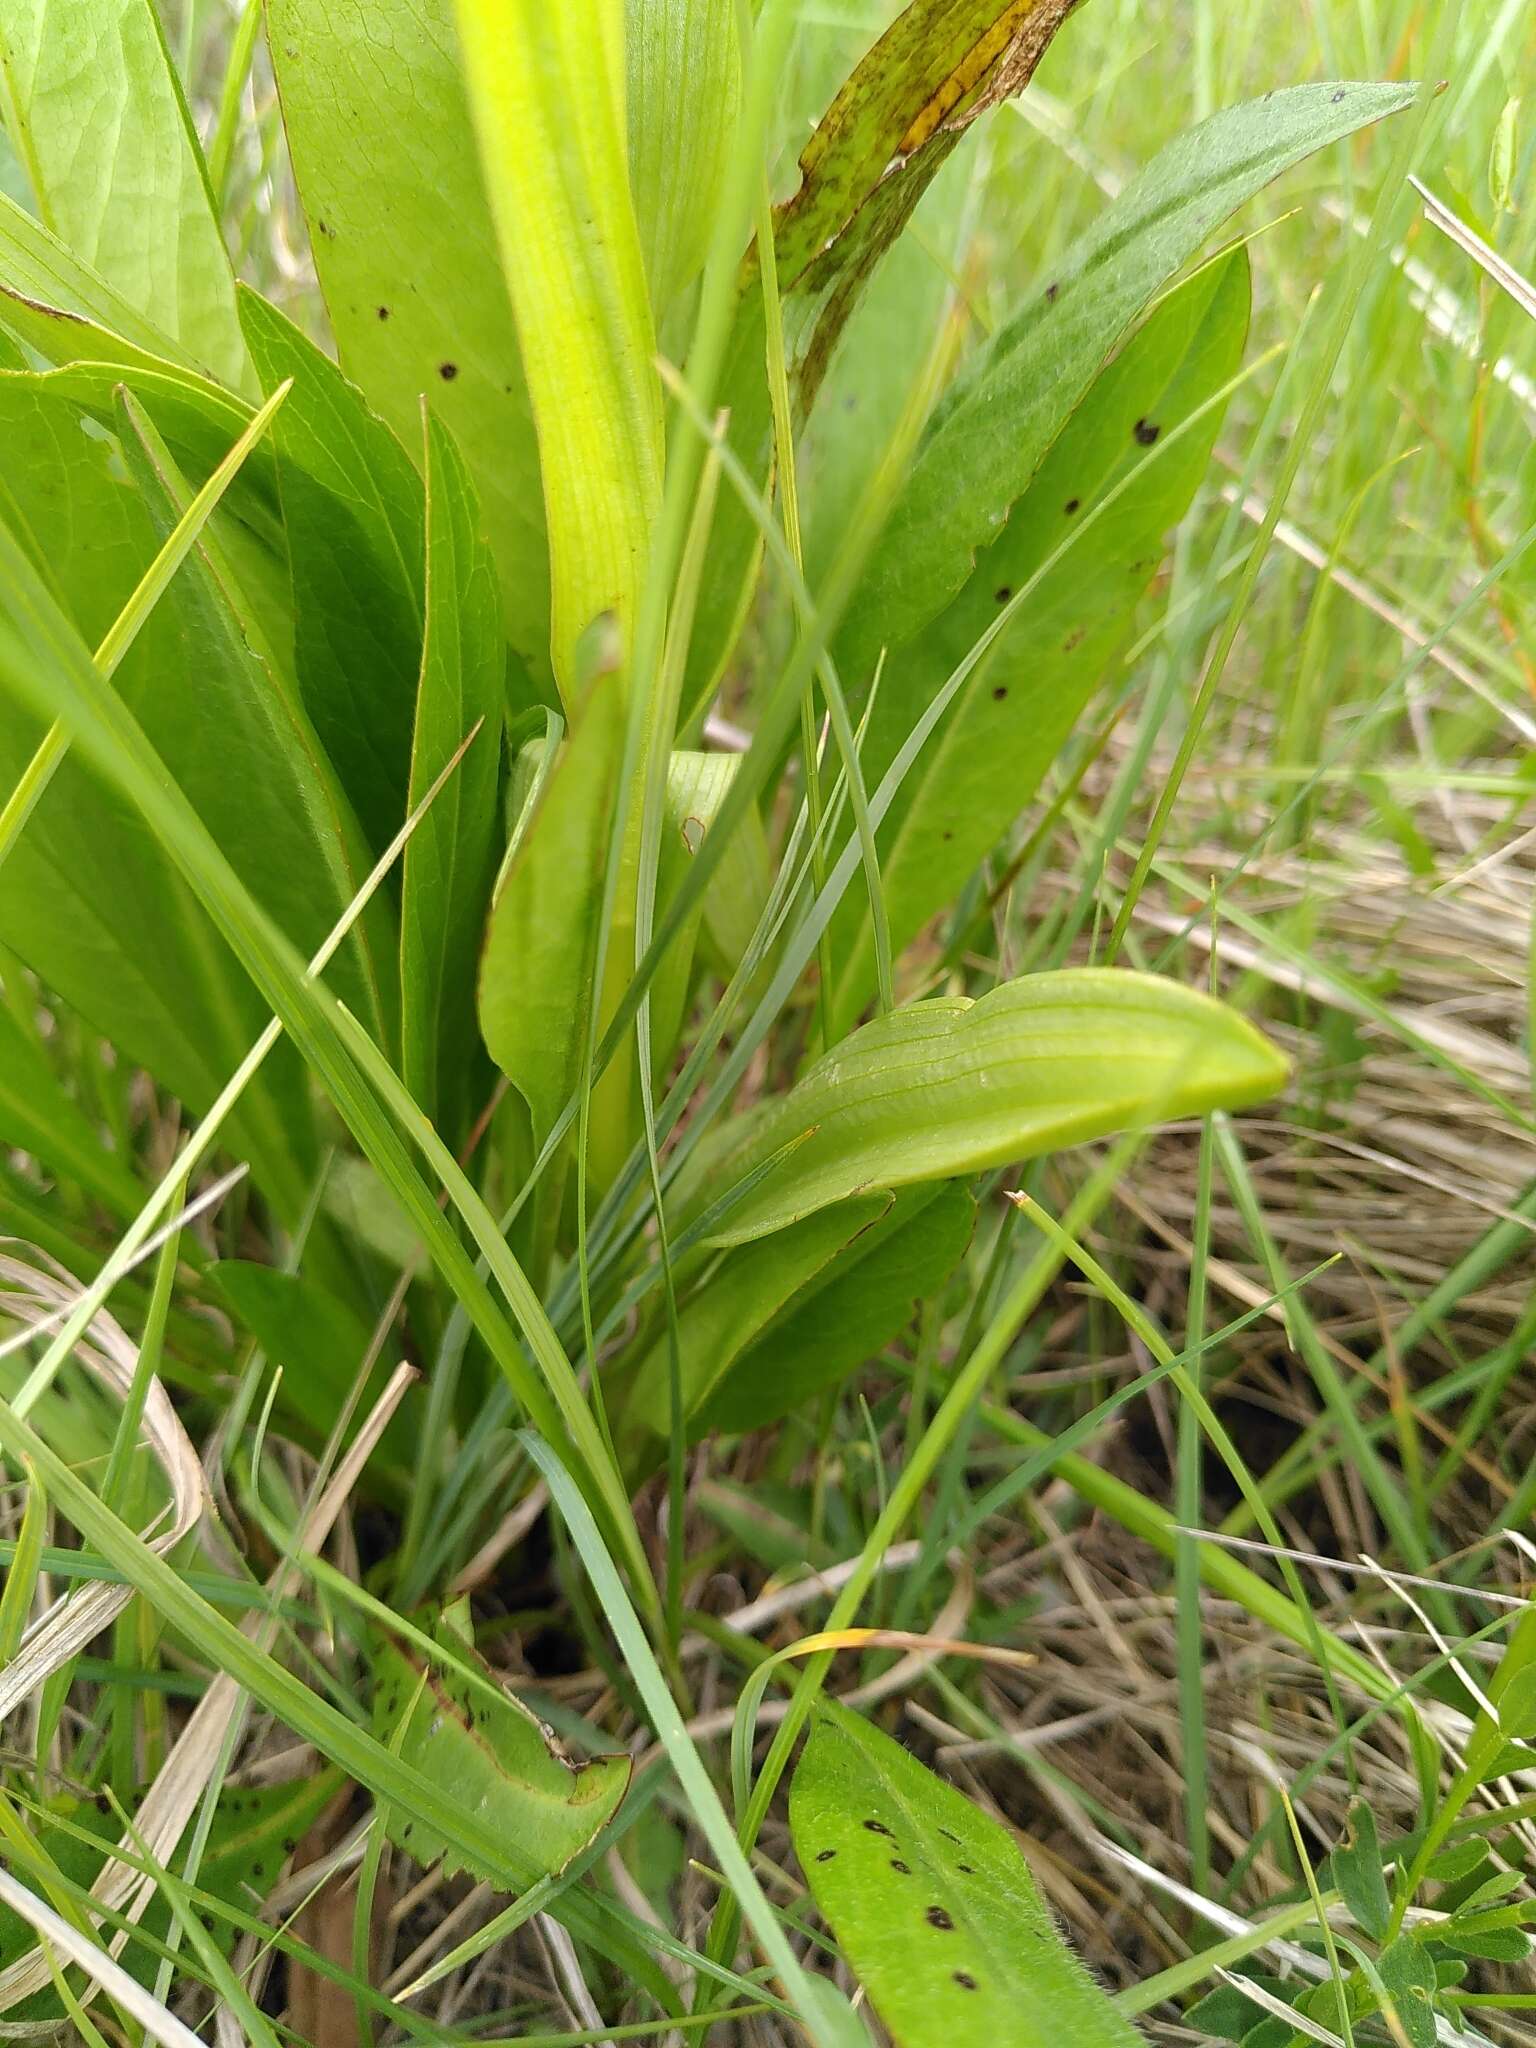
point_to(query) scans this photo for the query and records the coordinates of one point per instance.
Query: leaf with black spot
(933, 1905)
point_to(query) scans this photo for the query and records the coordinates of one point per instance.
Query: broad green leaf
(537, 968)
(378, 127)
(546, 87)
(684, 84)
(922, 74)
(87, 897)
(734, 1304)
(37, 1115)
(1037, 368)
(1409, 1976)
(986, 760)
(354, 508)
(948, 1087)
(933, 1905)
(448, 861)
(1357, 1871)
(96, 112)
(855, 1306)
(39, 273)
(253, 1834)
(482, 1748)
(251, 761)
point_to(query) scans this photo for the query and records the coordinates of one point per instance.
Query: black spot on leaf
(383, 312)
(1072, 505)
(1146, 432)
(904, 1868)
(447, 371)
(877, 1827)
(825, 1855)
(1052, 294)
(1000, 692)
(1339, 96)
(937, 1917)
(965, 1980)
(949, 1837)
(1003, 593)
(966, 1867)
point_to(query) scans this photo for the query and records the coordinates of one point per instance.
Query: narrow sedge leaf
(491, 1757)
(1036, 369)
(448, 861)
(546, 86)
(684, 86)
(948, 1087)
(96, 112)
(388, 170)
(932, 1903)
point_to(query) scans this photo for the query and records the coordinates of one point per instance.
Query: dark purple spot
(965, 1980)
(1052, 294)
(1000, 693)
(1146, 432)
(383, 312)
(447, 371)
(937, 1917)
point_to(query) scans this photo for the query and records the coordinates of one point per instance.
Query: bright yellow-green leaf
(546, 87)
(684, 86)
(948, 1087)
(96, 112)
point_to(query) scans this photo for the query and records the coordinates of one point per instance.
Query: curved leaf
(986, 760)
(1037, 368)
(684, 82)
(945, 1088)
(482, 1748)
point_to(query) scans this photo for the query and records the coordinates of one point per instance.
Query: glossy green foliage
(95, 110)
(378, 125)
(87, 898)
(861, 1301)
(987, 759)
(1037, 368)
(448, 861)
(781, 1319)
(254, 1832)
(354, 510)
(932, 1903)
(451, 1720)
(947, 1087)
